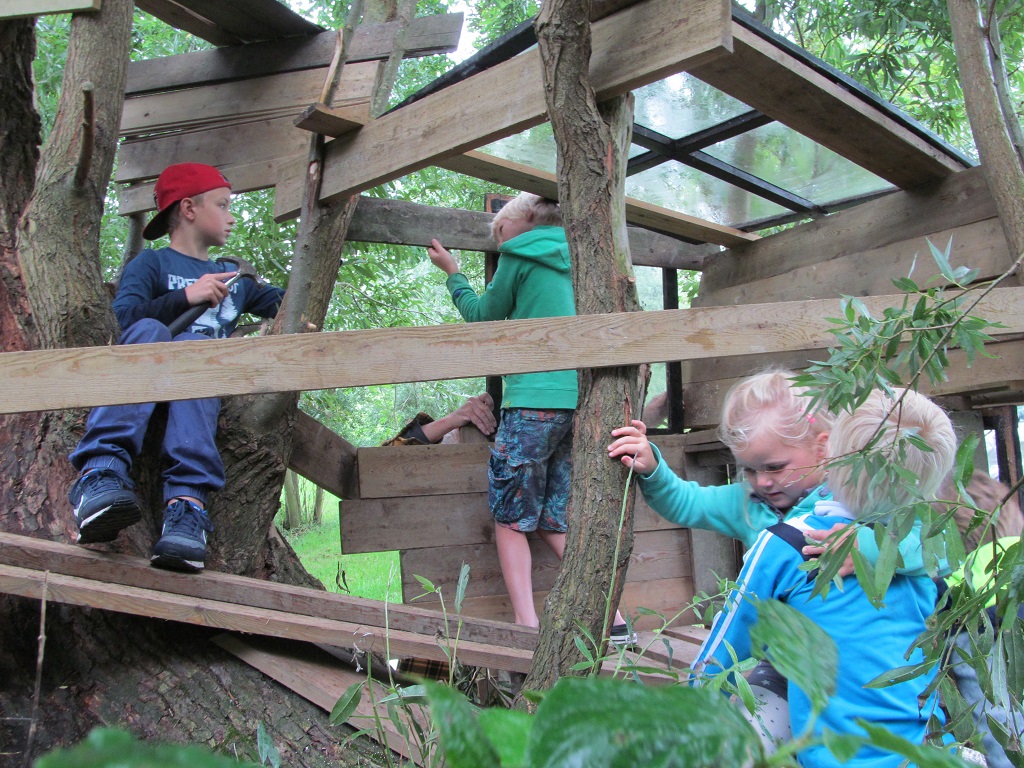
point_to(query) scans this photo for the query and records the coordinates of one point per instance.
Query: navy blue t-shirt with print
(153, 285)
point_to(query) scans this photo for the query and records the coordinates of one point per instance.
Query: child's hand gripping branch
(633, 449)
(210, 289)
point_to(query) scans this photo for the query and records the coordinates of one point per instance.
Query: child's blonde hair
(853, 431)
(545, 211)
(768, 403)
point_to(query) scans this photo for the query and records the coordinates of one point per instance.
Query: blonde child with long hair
(780, 449)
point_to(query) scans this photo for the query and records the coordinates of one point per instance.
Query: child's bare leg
(556, 541)
(516, 564)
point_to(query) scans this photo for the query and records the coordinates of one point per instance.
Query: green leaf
(109, 747)
(463, 740)
(346, 705)
(900, 675)
(922, 755)
(942, 259)
(460, 588)
(843, 745)
(508, 730)
(800, 650)
(603, 723)
(265, 745)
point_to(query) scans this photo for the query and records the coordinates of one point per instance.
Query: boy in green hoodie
(531, 462)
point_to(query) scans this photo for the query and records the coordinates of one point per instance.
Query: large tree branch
(1000, 159)
(592, 150)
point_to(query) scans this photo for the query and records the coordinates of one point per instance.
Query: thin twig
(39, 673)
(85, 149)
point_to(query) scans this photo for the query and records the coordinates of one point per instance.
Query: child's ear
(821, 445)
(186, 207)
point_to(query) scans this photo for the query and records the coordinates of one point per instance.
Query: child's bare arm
(632, 448)
(441, 258)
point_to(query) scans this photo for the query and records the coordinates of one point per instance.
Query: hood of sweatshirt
(544, 245)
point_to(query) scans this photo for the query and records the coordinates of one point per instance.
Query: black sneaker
(104, 504)
(182, 544)
(620, 636)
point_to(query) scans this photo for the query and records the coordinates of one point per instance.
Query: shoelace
(182, 518)
(103, 480)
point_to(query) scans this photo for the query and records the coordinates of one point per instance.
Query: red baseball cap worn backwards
(175, 184)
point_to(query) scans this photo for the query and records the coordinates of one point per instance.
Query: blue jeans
(114, 433)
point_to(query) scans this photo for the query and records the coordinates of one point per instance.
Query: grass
(375, 575)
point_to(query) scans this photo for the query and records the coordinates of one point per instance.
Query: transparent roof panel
(790, 160)
(687, 190)
(681, 104)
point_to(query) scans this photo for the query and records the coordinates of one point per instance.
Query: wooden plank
(412, 470)
(227, 22)
(73, 378)
(18, 9)
(239, 101)
(771, 80)
(228, 145)
(666, 597)
(480, 165)
(173, 14)
(526, 178)
(378, 220)
(238, 618)
(417, 522)
(244, 177)
(317, 118)
(981, 245)
(656, 555)
(636, 46)
(426, 35)
(324, 457)
(961, 199)
(704, 400)
(38, 555)
(322, 679)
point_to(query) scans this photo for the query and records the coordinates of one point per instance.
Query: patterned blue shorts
(530, 469)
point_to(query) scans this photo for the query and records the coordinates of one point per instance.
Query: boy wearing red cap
(159, 285)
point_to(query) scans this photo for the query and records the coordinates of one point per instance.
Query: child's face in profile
(213, 215)
(781, 473)
(509, 228)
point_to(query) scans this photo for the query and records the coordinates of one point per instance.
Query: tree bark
(1002, 163)
(593, 141)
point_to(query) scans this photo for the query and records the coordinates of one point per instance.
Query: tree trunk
(318, 506)
(292, 502)
(593, 141)
(1001, 161)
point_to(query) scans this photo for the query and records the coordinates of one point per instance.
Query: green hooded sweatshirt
(533, 279)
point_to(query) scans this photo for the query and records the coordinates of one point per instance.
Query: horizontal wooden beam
(528, 179)
(708, 383)
(229, 21)
(961, 199)
(157, 604)
(223, 146)
(636, 46)
(981, 246)
(241, 101)
(20, 9)
(74, 378)
(68, 560)
(426, 35)
(480, 165)
(771, 80)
